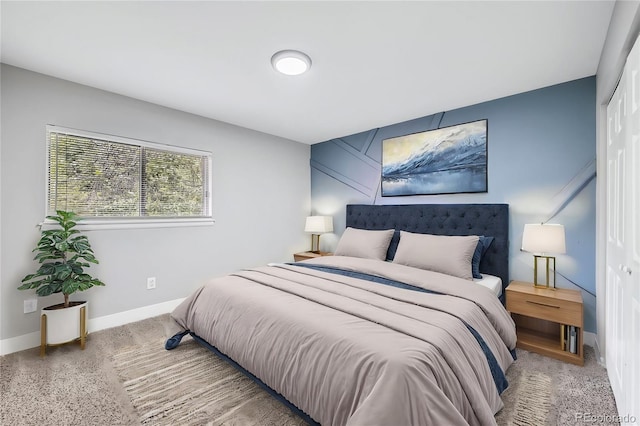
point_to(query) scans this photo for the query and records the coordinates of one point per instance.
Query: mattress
(491, 282)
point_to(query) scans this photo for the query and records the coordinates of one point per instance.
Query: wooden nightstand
(541, 316)
(310, 255)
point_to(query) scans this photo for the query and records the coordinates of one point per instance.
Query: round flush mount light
(290, 62)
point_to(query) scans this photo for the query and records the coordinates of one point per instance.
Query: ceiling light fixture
(290, 62)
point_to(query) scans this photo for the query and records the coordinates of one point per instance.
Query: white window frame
(94, 223)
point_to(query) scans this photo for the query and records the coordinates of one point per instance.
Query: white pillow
(449, 255)
(364, 243)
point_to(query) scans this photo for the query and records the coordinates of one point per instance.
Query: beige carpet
(125, 377)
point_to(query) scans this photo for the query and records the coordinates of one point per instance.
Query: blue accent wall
(541, 161)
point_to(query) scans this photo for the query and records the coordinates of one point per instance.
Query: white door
(616, 129)
(633, 215)
(623, 241)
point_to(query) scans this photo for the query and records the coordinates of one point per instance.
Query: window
(118, 180)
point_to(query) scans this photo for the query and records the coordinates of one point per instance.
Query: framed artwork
(449, 160)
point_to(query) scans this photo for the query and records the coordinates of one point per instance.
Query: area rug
(192, 386)
(533, 400)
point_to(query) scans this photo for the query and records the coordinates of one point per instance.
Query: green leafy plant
(63, 255)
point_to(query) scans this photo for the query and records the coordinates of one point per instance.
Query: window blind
(103, 176)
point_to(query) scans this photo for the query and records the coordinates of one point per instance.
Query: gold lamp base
(315, 248)
(548, 260)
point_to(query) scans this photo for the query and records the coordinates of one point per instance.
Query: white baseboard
(589, 339)
(598, 351)
(133, 315)
(19, 343)
(32, 340)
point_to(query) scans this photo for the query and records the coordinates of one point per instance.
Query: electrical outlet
(151, 283)
(30, 305)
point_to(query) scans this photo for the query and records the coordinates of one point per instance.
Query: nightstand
(544, 317)
(310, 255)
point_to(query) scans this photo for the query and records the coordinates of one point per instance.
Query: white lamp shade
(319, 224)
(543, 238)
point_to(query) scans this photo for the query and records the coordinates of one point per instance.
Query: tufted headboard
(442, 219)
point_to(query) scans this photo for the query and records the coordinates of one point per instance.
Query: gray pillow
(449, 255)
(364, 243)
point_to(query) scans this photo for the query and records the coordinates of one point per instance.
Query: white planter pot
(64, 325)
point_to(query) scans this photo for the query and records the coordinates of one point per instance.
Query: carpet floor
(125, 377)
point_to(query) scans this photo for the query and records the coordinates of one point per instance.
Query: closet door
(623, 239)
(632, 359)
(616, 246)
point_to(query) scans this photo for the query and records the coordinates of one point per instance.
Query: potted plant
(63, 255)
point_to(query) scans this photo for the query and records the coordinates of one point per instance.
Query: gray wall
(260, 198)
(541, 155)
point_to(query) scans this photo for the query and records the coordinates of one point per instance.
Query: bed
(355, 339)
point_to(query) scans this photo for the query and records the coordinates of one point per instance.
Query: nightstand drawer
(547, 308)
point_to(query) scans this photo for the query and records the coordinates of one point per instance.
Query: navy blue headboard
(442, 219)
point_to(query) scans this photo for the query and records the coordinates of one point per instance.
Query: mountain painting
(443, 161)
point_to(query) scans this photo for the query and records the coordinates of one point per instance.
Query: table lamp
(317, 225)
(541, 240)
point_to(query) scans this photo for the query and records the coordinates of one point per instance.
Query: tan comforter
(350, 352)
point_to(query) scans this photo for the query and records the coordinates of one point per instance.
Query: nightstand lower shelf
(545, 344)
